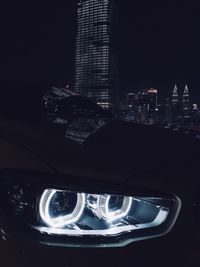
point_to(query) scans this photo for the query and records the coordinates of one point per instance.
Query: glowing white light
(75, 214)
(115, 230)
(105, 213)
(60, 221)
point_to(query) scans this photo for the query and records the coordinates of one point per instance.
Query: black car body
(79, 146)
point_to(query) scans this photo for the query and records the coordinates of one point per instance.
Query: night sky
(159, 44)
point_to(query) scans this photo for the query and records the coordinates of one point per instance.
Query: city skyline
(158, 44)
(145, 106)
(175, 90)
(175, 94)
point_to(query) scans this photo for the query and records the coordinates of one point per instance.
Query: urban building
(176, 108)
(142, 106)
(175, 96)
(151, 101)
(186, 103)
(95, 60)
(131, 100)
(177, 111)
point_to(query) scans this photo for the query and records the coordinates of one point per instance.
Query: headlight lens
(69, 213)
(111, 207)
(60, 208)
(86, 218)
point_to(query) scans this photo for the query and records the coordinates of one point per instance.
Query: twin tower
(185, 97)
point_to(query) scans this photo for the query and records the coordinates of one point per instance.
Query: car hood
(116, 151)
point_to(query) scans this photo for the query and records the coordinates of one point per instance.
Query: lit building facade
(186, 102)
(176, 105)
(175, 96)
(95, 59)
(142, 106)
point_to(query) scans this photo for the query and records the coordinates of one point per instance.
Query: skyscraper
(175, 108)
(175, 97)
(186, 102)
(95, 60)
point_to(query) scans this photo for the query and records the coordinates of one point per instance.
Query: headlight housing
(79, 214)
(71, 215)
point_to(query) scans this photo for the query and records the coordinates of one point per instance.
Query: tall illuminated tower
(95, 59)
(175, 97)
(175, 108)
(186, 102)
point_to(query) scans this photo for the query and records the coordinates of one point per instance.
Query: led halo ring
(104, 212)
(60, 221)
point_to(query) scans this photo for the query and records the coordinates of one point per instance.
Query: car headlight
(59, 215)
(58, 208)
(69, 213)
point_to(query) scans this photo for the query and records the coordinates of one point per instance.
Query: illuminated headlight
(59, 208)
(78, 218)
(69, 213)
